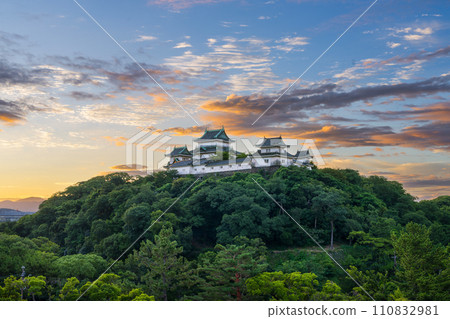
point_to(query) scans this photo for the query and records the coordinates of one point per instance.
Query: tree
(228, 270)
(247, 219)
(137, 219)
(35, 285)
(81, 266)
(106, 288)
(422, 264)
(329, 204)
(70, 292)
(279, 286)
(169, 275)
(136, 295)
(12, 290)
(378, 285)
(330, 292)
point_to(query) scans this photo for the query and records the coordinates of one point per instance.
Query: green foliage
(379, 286)
(23, 288)
(77, 233)
(35, 254)
(292, 287)
(70, 292)
(106, 288)
(168, 275)
(227, 270)
(80, 266)
(279, 286)
(136, 295)
(423, 265)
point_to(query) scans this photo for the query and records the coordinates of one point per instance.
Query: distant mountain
(30, 204)
(11, 215)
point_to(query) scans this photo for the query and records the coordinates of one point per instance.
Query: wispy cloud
(142, 38)
(116, 140)
(393, 45)
(291, 115)
(412, 33)
(182, 45)
(183, 4)
(290, 43)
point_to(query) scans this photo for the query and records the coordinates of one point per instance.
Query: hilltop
(358, 219)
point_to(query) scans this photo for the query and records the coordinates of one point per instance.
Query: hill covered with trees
(225, 239)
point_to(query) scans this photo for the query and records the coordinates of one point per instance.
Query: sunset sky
(70, 97)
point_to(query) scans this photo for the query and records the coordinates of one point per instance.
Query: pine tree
(169, 275)
(231, 267)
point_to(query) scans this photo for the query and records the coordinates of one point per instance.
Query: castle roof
(272, 141)
(180, 151)
(215, 134)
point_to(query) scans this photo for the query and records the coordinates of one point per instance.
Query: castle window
(266, 161)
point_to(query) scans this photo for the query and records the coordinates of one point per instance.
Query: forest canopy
(225, 239)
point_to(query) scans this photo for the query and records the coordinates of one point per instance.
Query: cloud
(78, 95)
(412, 34)
(393, 45)
(428, 182)
(118, 140)
(132, 77)
(326, 97)
(180, 131)
(137, 112)
(12, 113)
(431, 15)
(142, 38)
(424, 31)
(183, 4)
(413, 63)
(434, 112)
(245, 62)
(263, 18)
(290, 115)
(435, 135)
(182, 45)
(364, 155)
(293, 41)
(289, 44)
(420, 56)
(413, 37)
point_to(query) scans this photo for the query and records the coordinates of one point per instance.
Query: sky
(74, 90)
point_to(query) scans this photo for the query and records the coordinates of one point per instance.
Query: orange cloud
(364, 155)
(9, 119)
(435, 112)
(180, 131)
(118, 141)
(158, 97)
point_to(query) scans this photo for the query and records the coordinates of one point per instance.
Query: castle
(213, 153)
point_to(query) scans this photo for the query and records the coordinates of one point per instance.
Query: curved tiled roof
(215, 134)
(180, 151)
(272, 141)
